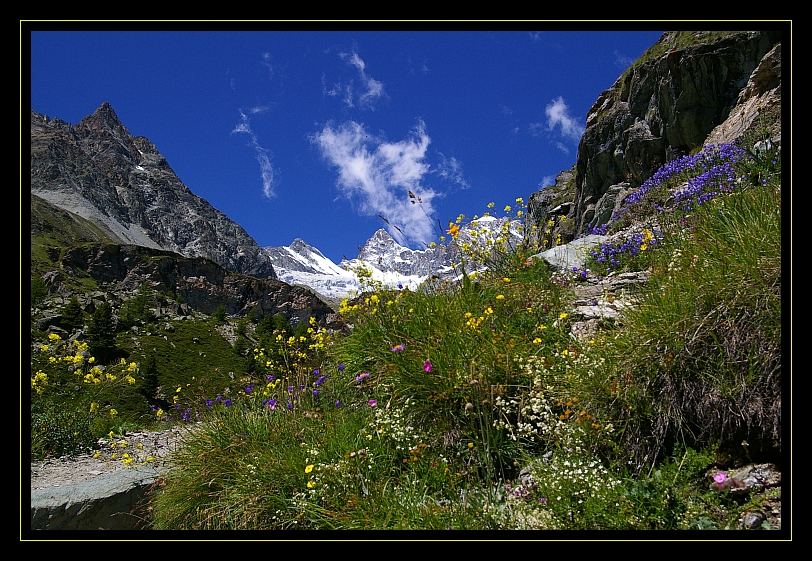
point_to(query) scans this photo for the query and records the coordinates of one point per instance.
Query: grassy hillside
(470, 406)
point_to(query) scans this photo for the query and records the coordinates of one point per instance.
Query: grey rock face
(110, 501)
(661, 109)
(550, 202)
(572, 254)
(761, 94)
(122, 183)
(202, 284)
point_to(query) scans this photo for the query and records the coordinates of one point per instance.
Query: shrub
(58, 429)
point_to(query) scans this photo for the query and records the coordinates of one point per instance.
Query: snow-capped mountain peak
(391, 264)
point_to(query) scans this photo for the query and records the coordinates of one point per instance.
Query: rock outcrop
(199, 283)
(123, 184)
(689, 89)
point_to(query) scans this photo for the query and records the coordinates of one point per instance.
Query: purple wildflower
(338, 403)
(341, 367)
(361, 377)
(316, 372)
(315, 393)
(427, 367)
(209, 403)
(720, 478)
(372, 402)
(270, 377)
(399, 348)
(249, 388)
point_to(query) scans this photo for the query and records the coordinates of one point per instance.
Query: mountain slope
(123, 184)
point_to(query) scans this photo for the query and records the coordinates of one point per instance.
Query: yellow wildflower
(113, 412)
(308, 468)
(54, 337)
(563, 315)
(500, 296)
(311, 484)
(94, 407)
(453, 230)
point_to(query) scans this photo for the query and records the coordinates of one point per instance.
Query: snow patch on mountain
(390, 263)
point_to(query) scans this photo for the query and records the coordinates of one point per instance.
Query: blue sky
(318, 134)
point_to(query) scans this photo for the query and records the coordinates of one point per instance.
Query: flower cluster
(613, 255)
(709, 173)
(123, 451)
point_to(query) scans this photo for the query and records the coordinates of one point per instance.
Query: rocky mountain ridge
(123, 184)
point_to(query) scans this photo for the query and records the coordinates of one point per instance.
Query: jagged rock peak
(104, 117)
(123, 184)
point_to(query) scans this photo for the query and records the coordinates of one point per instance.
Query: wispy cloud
(535, 36)
(622, 61)
(546, 181)
(371, 89)
(450, 169)
(378, 176)
(558, 115)
(537, 129)
(256, 109)
(263, 155)
(266, 62)
(505, 110)
(561, 146)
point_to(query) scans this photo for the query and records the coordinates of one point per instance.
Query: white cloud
(262, 154)
(256, 109)
(546, 181)
(266, 62)
(558, 115)
(378, 176)
(450, 169)
(561, 146)
(373, 89)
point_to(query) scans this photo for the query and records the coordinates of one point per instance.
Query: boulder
(110, 501)
(572, 254)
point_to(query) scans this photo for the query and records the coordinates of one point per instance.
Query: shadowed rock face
(98, 170)
(662, 108)
(659, 110)
(201, 284)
